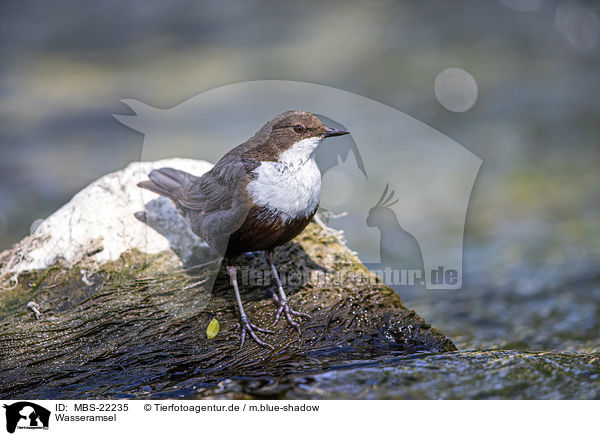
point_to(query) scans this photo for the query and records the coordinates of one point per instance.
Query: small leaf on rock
(213, 328)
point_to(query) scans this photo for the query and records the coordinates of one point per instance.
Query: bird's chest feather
(290, 189)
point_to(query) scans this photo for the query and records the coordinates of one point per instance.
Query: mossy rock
(137, 323)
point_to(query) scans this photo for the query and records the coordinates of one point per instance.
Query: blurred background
(514, 81)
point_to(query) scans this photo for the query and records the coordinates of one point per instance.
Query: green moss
(111, 328)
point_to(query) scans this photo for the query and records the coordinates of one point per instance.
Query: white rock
(100, 223)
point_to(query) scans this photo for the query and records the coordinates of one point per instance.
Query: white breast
(292, 185)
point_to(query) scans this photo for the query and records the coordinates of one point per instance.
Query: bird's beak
(334, 132)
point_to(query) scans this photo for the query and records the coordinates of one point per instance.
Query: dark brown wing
(215, 204)
(221, 187)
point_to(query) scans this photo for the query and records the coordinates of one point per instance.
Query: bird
(258, 196)
(398, 249)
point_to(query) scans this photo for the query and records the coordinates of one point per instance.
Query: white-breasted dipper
(258, 196)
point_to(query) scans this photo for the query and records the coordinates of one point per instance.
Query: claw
(300, 314)
(278, 313)
(285, 308)
(247, 326)
(281, 300)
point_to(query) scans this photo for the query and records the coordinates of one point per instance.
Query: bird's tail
(167, 181)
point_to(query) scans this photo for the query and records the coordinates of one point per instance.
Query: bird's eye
(299, 128)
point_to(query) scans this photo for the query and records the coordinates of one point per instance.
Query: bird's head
(381, 213)
(296, 133)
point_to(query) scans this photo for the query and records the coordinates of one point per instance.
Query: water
(470, 374)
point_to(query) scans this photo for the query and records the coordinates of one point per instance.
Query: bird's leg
(281, 301)
(274, 297)
(246, 325)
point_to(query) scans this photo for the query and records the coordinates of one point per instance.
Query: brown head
(299, 130)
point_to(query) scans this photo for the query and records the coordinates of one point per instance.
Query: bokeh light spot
(456, 89)
(579, 24)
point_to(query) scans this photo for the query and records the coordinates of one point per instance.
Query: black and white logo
(26, 415)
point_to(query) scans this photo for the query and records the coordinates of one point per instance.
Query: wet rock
(125, 293)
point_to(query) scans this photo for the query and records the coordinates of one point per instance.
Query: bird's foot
(247, 326)
(283, 307)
